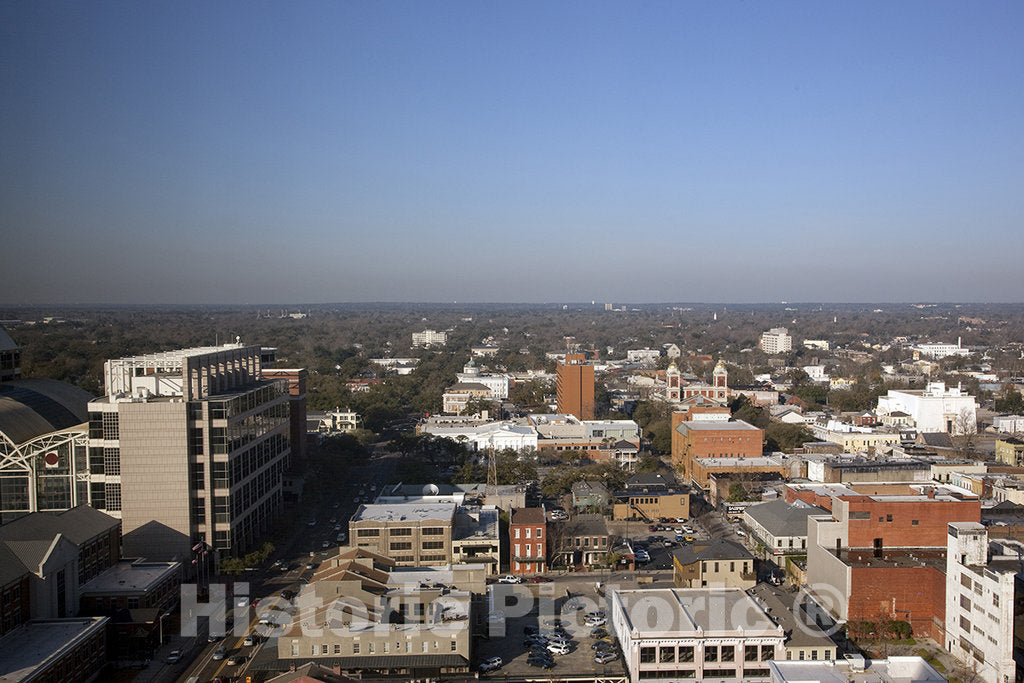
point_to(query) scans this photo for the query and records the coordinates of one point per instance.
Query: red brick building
(574, 386)
(882, 555)
(528, 541)
(693, 439)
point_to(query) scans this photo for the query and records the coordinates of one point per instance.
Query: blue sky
(413, 151)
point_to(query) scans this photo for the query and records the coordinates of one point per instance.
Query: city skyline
(232, 154)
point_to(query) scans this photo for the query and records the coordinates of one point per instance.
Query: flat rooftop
(176, 355)
(131, 577)
(32, 645)
(654, 612)
(759, 461)
(782, 607)
(891, 670)
(405, 512)
(713, 426)
(903, 558)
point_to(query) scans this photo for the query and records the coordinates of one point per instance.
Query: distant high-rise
(575, 386)
(776, 340)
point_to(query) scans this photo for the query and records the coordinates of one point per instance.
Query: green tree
(1010, 402)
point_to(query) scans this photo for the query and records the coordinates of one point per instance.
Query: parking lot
(564, 601)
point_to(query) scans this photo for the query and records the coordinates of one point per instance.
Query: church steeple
(720, 380)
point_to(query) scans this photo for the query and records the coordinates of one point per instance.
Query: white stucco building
(429, 338)
(941, 350)
(935, 408)
(776, 340)
(1009, 424)
(643, 356)
(695, 634)
(981, 580)
(498, 384)
(496, 435)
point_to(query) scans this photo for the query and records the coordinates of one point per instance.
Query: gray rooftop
(411, 512)
(78, 525)
(780, 518)
(33, 407)
(711, 425)
(720, 549)
(586, 525)
(130, 577)
(891, 670)
(693, 611)
(6, 343)
(37, 643)
(781, 606)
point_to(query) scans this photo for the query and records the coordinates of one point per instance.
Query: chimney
(931, 492)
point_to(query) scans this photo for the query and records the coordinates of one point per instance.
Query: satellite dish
(431, 490)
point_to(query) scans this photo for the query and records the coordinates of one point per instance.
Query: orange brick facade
(528, 542)
(574, 385)
(906, 524)
(913, 594)
(714, 443)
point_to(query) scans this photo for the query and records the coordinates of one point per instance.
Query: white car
(174, 657)
(509, 578)
(249, 641)
(243, 602)
(325, 544)
(595, 621)
(558, 648)
(490, 664)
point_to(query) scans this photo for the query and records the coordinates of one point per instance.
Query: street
(334, 500)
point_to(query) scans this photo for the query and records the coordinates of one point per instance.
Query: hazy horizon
(219, 154)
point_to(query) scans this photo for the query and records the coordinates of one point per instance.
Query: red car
(539, 579)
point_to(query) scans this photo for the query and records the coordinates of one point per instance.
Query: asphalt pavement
(337, 501)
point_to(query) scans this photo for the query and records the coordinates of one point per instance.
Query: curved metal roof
(32, 407)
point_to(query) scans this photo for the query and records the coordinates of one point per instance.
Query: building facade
(196, 442)
(935, 408)
(574, 386)
(528, 541)
(713, 439)
(429, 338)
(694, 634)
(776, 340)
(984, 595)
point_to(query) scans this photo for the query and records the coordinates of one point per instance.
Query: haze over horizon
(325, 152)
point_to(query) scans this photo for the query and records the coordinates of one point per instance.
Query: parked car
(605, 657)
(539, 579)
(595, 621)
(174, 657)
(542, 663)
(509, 578)
(490, 664)
(559, 648)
